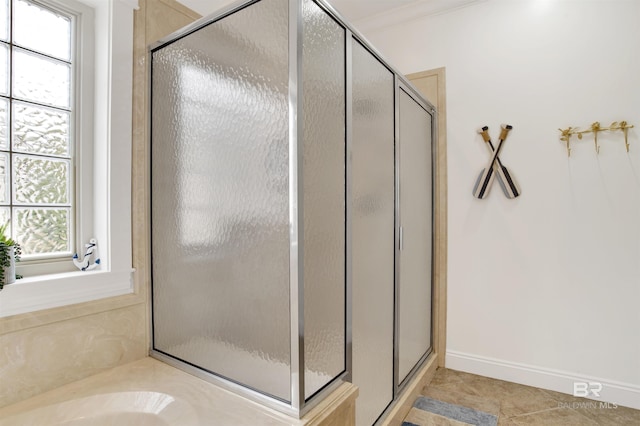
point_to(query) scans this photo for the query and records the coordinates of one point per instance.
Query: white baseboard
(625, 394)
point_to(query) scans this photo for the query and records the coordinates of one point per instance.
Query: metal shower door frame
(299, 405)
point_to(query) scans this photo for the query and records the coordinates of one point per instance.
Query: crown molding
(409, 12)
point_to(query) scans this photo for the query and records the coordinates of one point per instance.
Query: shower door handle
(401, 239)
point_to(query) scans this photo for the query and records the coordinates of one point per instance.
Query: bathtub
(148, 392)
(140, 408)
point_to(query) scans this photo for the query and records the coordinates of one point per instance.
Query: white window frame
(106, 200)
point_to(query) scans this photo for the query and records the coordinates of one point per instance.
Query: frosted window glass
(4, 123)
(42, 230)
(416, 219)
(372, 219)
(220, 199)
(4, 20)
(38, 180)
(323, 64)
(40, 130)
(4, 179)
(29, 21)
(5, 214)
(40, 79)
(4, 69)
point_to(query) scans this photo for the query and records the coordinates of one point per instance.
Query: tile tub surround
(36, 357)
(161, 394)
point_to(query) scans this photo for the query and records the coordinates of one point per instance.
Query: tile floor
(516, 404)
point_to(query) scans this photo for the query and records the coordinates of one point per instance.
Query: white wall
(543, 289)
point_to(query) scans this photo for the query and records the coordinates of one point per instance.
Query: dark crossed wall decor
(495, 169)
(565, 134)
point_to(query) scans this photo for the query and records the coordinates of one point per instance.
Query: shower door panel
(323, 147)
(372, 186)
(415, 259)
(220, 201)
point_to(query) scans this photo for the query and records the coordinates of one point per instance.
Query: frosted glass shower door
(285, 158)
(323, 94)
(415, 260)
(372, 219)
(220, 201)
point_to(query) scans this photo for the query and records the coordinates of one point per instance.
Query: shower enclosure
(291, 208)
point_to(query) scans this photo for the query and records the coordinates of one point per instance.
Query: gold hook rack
(565, 134)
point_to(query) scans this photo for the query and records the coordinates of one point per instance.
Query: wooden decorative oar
(505, 179)
(483, 184)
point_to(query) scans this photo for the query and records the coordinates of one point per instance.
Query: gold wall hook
(565, 135)
(595, 128)
(625, 130)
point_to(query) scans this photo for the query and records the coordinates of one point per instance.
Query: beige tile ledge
(25, 321)
(151, 392)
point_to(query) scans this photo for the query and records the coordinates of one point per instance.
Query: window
(38, 137)
(99, 157)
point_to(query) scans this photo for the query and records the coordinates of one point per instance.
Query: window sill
(34, 293)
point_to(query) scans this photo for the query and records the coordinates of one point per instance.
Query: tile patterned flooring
(516, 404)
